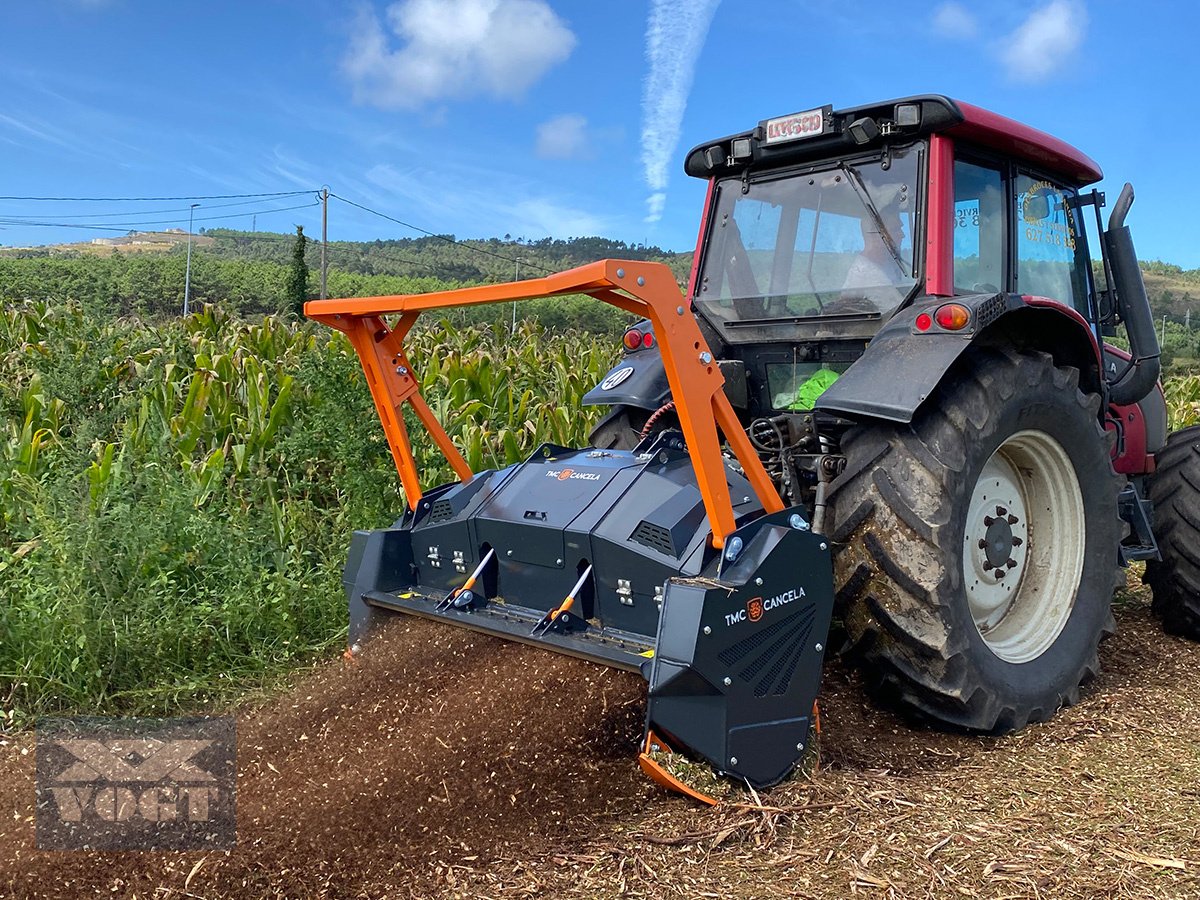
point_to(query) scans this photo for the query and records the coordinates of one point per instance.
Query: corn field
(1183, 400)
(176, 498)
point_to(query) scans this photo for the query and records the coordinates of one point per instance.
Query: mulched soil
(447, 764)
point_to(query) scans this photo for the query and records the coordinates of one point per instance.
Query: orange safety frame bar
(644, 289)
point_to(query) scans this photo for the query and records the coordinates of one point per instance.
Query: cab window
(1051, 256)
(978, 228)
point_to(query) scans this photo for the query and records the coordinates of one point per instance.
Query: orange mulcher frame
(644, 289)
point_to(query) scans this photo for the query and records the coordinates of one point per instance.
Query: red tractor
(891, 352)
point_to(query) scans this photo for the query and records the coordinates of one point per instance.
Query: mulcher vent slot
(653, 536)
(441, 511)
(791, 635)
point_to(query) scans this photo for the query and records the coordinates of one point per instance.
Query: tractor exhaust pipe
(1141, 374)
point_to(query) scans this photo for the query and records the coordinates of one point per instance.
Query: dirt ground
(447, 764)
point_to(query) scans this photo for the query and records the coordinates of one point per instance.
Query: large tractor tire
(1175, 493)
(975, 548)
(619, 430)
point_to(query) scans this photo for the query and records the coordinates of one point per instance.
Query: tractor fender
(638, 379)
(903, 366)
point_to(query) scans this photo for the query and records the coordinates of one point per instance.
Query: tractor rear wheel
(1175, 493)
(975, 547)
(619, 430)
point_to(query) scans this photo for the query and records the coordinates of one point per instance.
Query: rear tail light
(952, 316)
(647, 340)
(924, 322)
(632, 339)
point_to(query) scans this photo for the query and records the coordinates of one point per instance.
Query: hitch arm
(644, 289)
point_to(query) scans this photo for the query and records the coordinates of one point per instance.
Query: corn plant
(1183, 400)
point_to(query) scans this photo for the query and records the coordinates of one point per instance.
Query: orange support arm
(644, 289)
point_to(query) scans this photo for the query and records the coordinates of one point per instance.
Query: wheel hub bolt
(1017, 542)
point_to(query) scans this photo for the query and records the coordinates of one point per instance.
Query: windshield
(838, 241)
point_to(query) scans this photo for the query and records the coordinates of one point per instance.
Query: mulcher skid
(673, 559)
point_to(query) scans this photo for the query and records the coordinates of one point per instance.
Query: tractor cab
(820, 226)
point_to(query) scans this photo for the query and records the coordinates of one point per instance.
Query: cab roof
(934, 114)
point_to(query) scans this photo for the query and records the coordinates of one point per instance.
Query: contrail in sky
(674, 38)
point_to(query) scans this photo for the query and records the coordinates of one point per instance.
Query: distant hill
(245, 272)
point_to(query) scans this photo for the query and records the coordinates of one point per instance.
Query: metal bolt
(800, 747)
(558, 562)
(824, 546)
(679, 310)
(401, 370)
(728, 681)
(707, 629)
(620, 273)
(641, 281)
(706, 357)
(758, 581)
(733, 760)
(509, 553)
(819, 647)
(733, 549)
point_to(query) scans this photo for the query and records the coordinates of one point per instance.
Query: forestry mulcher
(885, 397)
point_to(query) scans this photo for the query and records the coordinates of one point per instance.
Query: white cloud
(675, 36)
(453, 48)
(564, 137)
(953, 20)
(1045, 41)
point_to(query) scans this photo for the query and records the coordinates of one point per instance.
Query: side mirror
(1036, 206)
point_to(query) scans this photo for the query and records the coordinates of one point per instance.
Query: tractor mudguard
(638, 380)
(903, 366)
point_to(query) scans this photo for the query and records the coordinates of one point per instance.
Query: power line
(123, 226)
(158, 199)
(440, 237)
(139, 212)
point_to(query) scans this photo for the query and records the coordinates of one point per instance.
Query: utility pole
(1163, 342)
(187, 278)
(254, 224)
(324, 233)
(516, 277)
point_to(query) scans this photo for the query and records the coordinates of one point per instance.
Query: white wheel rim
(1023, 546)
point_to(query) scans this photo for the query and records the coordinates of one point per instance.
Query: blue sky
(544, 117)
